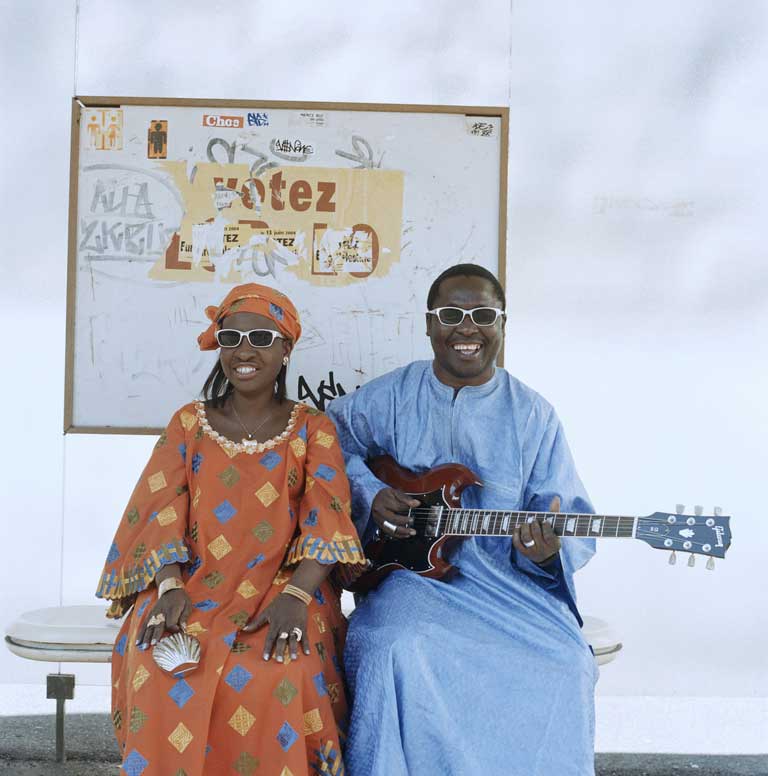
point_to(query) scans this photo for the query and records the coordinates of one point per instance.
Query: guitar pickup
(432, 524)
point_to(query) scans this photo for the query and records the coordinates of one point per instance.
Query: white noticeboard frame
(351, 209)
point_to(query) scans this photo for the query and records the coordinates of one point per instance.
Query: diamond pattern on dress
(241, 721)
(135, 764)
(220, 547)
(239, 619)
(313, 723)
(285, 692)
(246, 589)
(286, 737)
(320, 686)
(238, 678)
(230, 476)
(213, 579)
(156, 482)
(166, 516)
(181, 692)
(139, 678)
(195, 629)
(224, 512)
(246, 764)
(325, 472)
(267, 494)
(138, 718)
(270, 460)
(181, 737)
(263, 531)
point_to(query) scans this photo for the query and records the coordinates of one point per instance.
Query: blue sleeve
(553, 473)
(359, 442)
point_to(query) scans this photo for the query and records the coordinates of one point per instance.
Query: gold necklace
(250, 434)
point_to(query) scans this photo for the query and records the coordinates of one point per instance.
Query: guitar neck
(488, 522)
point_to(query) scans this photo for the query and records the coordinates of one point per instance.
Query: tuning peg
(691, 560)
(710, 564)
(672, 558)
(718, 511)
(680, 508)
(698, 510)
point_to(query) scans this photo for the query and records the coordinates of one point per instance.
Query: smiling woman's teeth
(245, 370)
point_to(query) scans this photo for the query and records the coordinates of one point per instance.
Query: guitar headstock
(698, 534)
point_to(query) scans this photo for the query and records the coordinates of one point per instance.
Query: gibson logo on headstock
(718, 529)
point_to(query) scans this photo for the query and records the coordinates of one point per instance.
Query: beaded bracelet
(297, 592)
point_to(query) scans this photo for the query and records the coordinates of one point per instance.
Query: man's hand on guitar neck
(389, 510)
(537, 540)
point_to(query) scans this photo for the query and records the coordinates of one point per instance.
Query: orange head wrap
(253, 298)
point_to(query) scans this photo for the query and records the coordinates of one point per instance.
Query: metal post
(62, 688)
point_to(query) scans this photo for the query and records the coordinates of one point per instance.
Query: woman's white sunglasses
(257, 338)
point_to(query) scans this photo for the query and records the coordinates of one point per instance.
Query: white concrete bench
(63, 634)
(82, 634)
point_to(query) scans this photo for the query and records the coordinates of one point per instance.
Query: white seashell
(177, 653)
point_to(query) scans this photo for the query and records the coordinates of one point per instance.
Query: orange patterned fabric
(235, 517)
(253, 298)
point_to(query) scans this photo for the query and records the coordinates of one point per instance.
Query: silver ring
(297, 632)
(283, 635)
(529, 544)
(156, 619)
(391, 527)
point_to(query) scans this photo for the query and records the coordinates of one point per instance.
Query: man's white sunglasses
(480, 316)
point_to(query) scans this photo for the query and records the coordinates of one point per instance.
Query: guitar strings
(645, 535)
(425, 515)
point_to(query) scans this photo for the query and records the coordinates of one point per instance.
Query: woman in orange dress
(222, 539)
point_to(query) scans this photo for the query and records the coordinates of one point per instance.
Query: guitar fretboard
(487, 522)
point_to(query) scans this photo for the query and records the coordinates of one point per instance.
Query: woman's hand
(285, 616)
(536, 540)
(170, 613)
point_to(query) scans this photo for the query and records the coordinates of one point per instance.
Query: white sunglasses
(257, 338)
(480, 316)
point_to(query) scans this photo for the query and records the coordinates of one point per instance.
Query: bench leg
(62, 688)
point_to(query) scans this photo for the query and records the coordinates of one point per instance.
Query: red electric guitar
(440, 522)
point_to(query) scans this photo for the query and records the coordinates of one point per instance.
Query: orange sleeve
(327, 533)
(152, 531)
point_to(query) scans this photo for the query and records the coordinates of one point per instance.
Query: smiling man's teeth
(467, 348)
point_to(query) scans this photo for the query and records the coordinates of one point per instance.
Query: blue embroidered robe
(488, 673)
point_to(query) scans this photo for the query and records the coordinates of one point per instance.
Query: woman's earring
(285, 360)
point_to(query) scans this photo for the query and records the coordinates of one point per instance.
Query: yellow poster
(328, 226)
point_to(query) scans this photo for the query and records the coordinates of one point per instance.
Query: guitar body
(423, 553)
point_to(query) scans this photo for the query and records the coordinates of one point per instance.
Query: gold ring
(156, 619)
